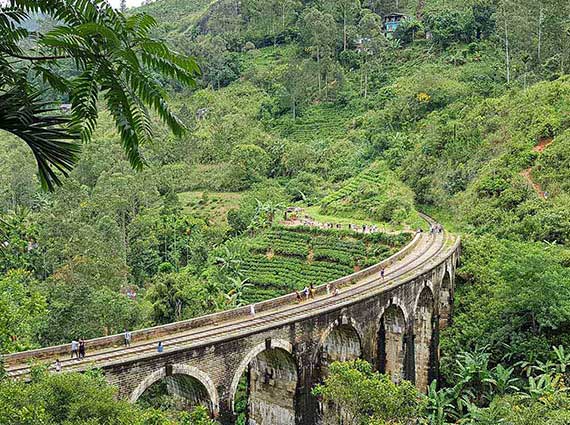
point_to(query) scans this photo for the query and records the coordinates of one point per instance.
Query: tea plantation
(288, 258)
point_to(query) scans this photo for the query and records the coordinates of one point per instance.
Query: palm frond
(47, 134)
(116, 60)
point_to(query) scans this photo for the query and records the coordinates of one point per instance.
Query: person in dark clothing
(81, 348)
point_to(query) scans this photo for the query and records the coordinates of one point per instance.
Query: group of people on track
(435, 228)
(310, 222)
(309, 292)
(78, 349)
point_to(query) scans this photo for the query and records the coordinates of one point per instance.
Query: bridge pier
(226, 415)
(409, 356)
(433, 373)
(307, 406)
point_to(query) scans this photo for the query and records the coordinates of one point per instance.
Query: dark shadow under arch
(340, 345)
(392, 343)
(445, 300)
(181, 391)
(268, 388)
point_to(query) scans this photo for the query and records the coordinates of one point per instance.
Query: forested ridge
(462, 113)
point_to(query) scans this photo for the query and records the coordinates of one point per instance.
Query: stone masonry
(285, 362)
(394, 325)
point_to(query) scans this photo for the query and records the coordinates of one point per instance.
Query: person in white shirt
(128, 336)
(75, 349)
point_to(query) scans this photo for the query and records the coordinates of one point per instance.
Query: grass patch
(210, 206)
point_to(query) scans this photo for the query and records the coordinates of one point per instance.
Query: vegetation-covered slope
(374, 193)
(287, 259)
(297, 105)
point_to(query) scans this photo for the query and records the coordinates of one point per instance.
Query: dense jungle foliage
(462, 113)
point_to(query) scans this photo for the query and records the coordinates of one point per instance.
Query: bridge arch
(250, 356)
(272, 380)
(344, 330)
(425, 338)
(196, 375)
(342, 341)
(392, 333)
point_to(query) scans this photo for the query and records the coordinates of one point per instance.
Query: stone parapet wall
(208, 320)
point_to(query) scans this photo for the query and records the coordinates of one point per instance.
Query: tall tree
(295, 83)
(319, 37)
(347, 10)
(288, 9)
(372, 45)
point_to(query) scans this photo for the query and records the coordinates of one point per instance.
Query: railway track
(428, 252)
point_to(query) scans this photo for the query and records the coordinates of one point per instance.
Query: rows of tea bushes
(291, 273)
(376, 194)
(370, 175)
(288, 258)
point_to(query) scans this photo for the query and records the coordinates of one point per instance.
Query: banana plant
(476, 415)
(562, 360)
(541, 386)
(440, 404)
(236, 295)
(502, 380)
(473, 374)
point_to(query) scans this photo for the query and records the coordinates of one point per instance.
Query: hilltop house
(392, 21)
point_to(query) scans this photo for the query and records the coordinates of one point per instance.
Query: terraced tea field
(288, 258)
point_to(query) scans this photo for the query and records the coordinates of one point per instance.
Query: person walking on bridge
(75, 349)
(127, 337)
(382, 272)
(57, 365)
(81, 348)
(159, 347)
(312, 291)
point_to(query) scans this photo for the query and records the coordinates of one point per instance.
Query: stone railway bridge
(286, 348)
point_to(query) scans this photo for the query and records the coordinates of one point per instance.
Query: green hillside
(176, 17)
(462, 113)
(376, 193)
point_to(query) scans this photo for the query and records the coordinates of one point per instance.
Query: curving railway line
(427, 251)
